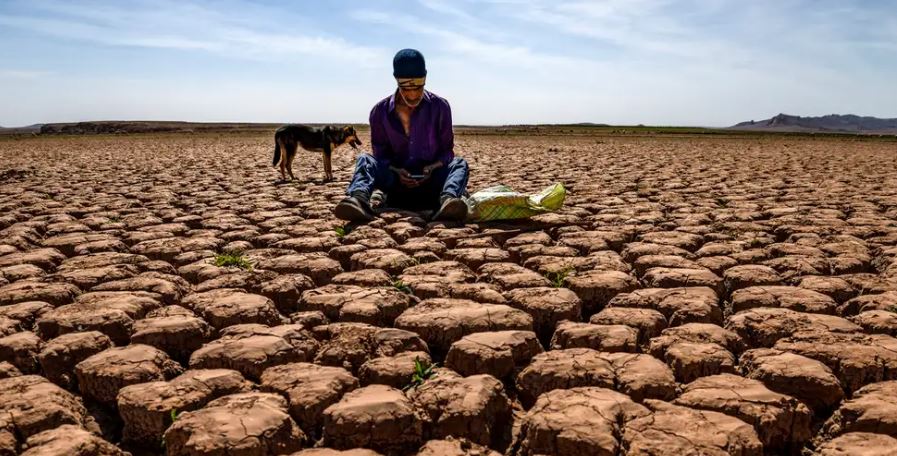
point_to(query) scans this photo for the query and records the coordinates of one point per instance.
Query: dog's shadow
(302, 182)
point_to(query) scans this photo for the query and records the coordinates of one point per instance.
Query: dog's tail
(276, 153)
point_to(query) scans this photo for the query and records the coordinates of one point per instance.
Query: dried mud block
(793, 298)
(762, 327)
(682, 277)
(454, 447)
(395, 371)
(350, 303)
(584, 420)
(21, 349)
(498, 353)
(332, 452)
(318, 266)
(45, 258)
(441, 322)
(697, 333)
(25, 313)
(547, 305)
(350, 345)
(59, 356)
(856, 359)
(30, 404)
(634, 250)
(285, 290)
(750, 275)
(245, 423)
(177, 335)
(111, 313)
(642, 376)
(596, 288)
(803, 378)
(883, 301)
(604, 260)
(390, 260)
(250, 349)
(309, 390)
(146, 408)
(475, 407)
(364, 278)
(678, 305)
(70, 440)
(54, 293)
(227, 307)
(7, 370)
(834, 287)
(782, 422)
(672, 429)
(606, 338)
(645, 262)
(509, 276)
(692, 360)
(376, 417)
(638, 375)
(169, 287)
(877, 321)
(101, 376)
(167, 248)
(648, 322)
(873, 408)
(858, 444)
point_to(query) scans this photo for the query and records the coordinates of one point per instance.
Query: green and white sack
(503, 203)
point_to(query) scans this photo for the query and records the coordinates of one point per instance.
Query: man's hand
(428, 171)
(406, 179)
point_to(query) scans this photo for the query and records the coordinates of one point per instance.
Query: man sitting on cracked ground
(413, 161)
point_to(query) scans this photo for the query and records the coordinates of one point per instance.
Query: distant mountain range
(784, 123)
(833, 123)
(20, 130)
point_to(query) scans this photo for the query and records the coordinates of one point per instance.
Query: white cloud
(22, 74)
(186, 27)
(495, 53)
(696, 62)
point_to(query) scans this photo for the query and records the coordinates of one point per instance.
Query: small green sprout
(423, 371)
(235, 259)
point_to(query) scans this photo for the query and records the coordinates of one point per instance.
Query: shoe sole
(455, 210)
(351, 213)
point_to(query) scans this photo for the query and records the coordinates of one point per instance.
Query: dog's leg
(291, 154)
(325, 156)
(283, 160)
(328, 169)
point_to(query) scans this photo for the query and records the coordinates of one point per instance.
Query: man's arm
(446, 136)
(380, 147)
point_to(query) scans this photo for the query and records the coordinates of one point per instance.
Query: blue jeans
(372, 175)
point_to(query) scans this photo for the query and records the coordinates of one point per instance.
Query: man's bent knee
(459, 162)
(366, 160)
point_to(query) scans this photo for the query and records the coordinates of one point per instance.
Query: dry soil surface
(723, 295)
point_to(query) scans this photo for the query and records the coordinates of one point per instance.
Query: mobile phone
(418, 176)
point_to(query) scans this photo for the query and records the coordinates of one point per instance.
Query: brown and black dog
(325, 140)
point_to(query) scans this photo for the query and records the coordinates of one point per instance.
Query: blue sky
(662, 62)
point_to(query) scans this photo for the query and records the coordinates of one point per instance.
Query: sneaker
(453, 209)
(353, 209)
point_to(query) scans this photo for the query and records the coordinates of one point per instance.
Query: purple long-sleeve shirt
(431, 136)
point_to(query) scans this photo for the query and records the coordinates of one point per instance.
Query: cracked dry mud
(695, 295)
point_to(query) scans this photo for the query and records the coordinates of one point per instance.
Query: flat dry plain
(695, 296)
